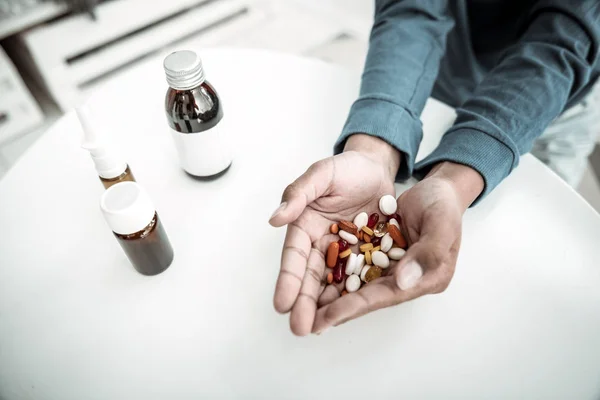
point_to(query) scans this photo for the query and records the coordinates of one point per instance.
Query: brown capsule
(366, 238)
(332, 254)
(397, 237)
(334, 229)
(360, 235)
(348, 227)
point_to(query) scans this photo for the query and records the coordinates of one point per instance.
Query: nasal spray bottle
(111, 168)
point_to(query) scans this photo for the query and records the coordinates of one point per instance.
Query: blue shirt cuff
(487, 155)
(389, 122)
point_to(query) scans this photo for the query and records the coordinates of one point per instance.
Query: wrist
(467, 182)
(377, 149)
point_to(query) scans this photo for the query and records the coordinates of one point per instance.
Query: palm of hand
(342, 186)
(431, 219)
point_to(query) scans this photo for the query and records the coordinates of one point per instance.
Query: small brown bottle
(194, 113)
(110, 167)
(131, 216)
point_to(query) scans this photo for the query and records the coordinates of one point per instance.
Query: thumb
(311, 185)
(437, 245)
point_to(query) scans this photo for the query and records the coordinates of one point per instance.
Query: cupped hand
(334, 189)
(431, 214)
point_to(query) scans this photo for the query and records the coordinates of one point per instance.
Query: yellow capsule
(366, 246)
(345, 253)
(367, 230)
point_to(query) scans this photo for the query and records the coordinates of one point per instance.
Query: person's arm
(551, 63)
(406, 45)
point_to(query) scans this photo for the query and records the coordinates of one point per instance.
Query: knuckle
(290, 190)
(318, 165)
(441, 287)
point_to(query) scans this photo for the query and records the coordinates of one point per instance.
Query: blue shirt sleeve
(406, 45)
(552, 62)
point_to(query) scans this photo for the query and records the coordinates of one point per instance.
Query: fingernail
(279, 209)
(322, 331)
(409, 275)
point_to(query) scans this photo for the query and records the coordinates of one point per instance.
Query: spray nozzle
(107, 164)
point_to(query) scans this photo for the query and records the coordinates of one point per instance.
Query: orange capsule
(332, 254)
(344, 292)
(329, 278)
(334, 229)
(397, 236)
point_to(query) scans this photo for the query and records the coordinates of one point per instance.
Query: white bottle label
(205, 153)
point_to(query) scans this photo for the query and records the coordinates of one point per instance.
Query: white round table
(521, 318)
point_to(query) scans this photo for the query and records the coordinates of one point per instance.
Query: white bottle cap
(108, 163)
(184, 70)
(127, 208)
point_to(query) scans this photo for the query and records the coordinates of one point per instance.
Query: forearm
(519, 98)
(406, 45)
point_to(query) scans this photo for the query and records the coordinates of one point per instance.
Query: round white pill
(348, 237)
(361, 220)
(350, 264)
(394, 222)
(388, 205)
(359, 264)
(352, 283)
(363, 273)
(386, 243)
(380, 259)
(396, 253)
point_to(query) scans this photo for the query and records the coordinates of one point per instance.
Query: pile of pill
(377, 241)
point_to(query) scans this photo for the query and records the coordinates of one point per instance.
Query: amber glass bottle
(131, 216)
(195, 113)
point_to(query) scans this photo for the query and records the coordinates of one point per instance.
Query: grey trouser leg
(568, 142)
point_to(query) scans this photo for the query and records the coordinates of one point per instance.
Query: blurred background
(55, 52)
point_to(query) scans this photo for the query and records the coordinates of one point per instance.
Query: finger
(380, 293)
(305, 307)
(330, 293)
(435, 248)
(313, 184)
(294, 258)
